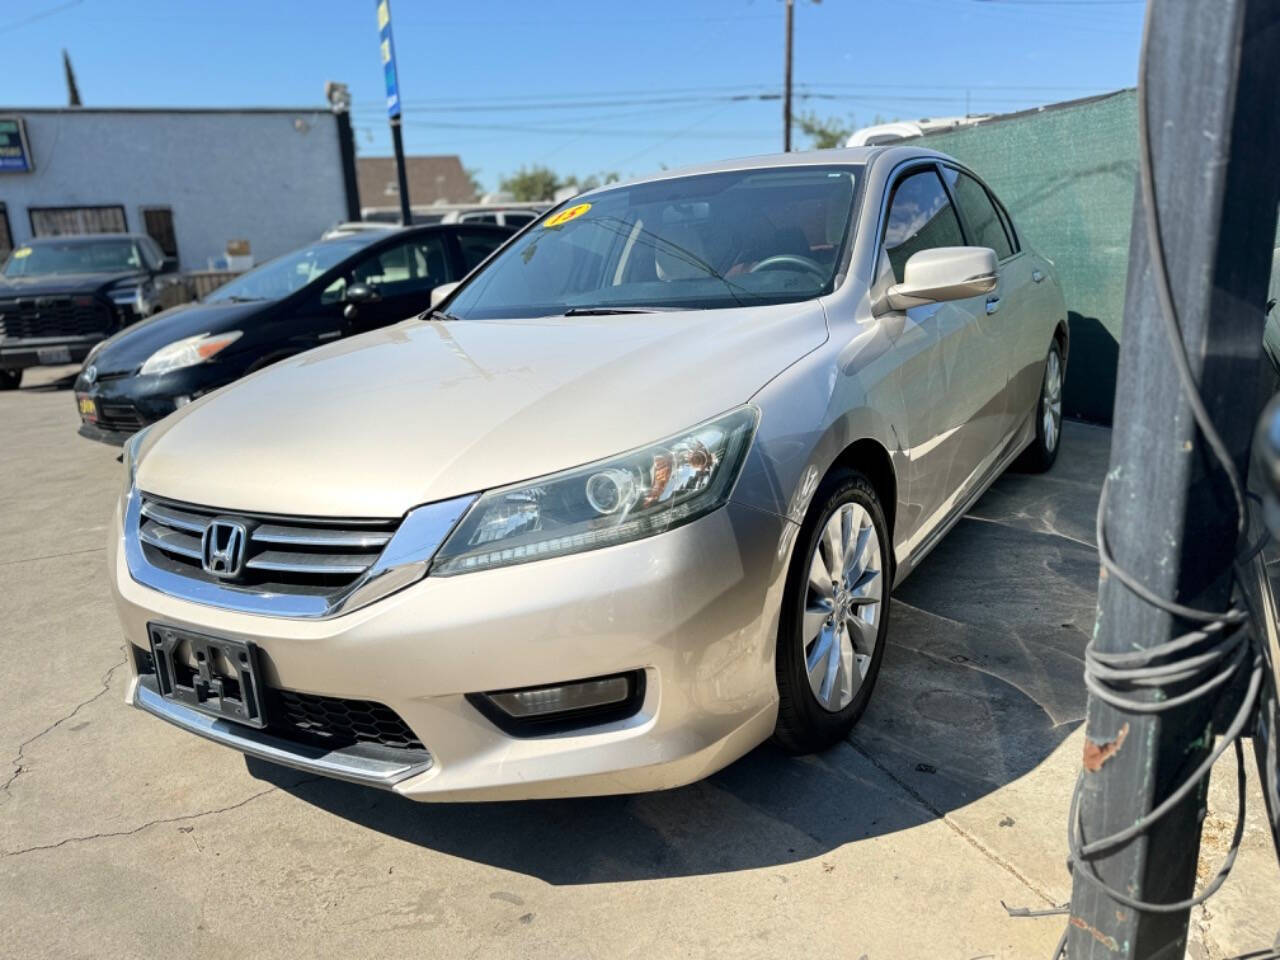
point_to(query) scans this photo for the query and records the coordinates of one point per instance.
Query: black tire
(1043, 451)
(804, 724)
(10, 379)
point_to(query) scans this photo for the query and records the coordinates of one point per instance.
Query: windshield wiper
(235, 298)
(606, 311)
(440, 315)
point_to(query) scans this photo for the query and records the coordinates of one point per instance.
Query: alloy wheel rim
(843, 597)
(1051, 424)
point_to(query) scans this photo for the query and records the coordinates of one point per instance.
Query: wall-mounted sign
(388, 58)
(15, 152)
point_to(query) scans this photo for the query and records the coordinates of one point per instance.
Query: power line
(40, 16)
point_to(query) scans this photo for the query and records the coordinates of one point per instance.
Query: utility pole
(392, 78)
(786, 83)
(1213, 122)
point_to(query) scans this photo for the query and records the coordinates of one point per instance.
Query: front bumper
(126, 404)
(695, 608)
(46, 351)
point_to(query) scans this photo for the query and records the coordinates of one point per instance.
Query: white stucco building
(194, 179)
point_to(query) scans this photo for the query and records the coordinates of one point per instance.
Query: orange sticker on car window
(564, 216)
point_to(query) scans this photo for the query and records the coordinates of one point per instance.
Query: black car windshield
(698, 242)
(287, 274)
(50, 257)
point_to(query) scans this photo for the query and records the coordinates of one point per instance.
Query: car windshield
(698, 242)
(293, 271)
(74, 256)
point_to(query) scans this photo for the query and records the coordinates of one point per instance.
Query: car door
(952, 385)
(1007, 306)
(401, 275)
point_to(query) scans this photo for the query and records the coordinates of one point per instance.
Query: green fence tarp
(1066, 173)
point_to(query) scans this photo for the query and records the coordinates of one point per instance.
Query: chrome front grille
(26, 318)
(282, 554)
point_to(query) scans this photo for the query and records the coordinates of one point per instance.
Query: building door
(6, 234)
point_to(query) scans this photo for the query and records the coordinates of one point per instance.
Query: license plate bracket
(214, 675)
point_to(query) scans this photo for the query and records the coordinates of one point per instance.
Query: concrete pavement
(122, 837)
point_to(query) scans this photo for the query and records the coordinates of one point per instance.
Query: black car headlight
(638, 494)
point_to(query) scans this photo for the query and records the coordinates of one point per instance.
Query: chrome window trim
(403, 561)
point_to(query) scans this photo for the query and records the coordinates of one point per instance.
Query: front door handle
(993, 304)
(1037, 276)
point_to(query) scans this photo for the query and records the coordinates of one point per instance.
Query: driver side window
(920, 218)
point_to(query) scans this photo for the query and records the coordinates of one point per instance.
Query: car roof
(817, 158)
(83, 238)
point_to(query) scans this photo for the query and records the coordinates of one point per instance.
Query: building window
(158, 222)
(59, 221)
(6, 235)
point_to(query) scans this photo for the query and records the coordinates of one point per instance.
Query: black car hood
(58, 284)
(128, 349)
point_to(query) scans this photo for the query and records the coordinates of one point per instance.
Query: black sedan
(61, 295)
(330, 289)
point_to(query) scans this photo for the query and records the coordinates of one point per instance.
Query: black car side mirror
(357, 294)
(362, 293)
(169, 265)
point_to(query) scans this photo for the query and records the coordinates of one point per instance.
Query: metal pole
(406, 215)
(1214, 126)
(786, 83)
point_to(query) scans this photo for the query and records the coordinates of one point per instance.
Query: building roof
(431, 179)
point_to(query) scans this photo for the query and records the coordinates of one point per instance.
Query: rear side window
(920, 218)
(476, 245)
(985, 223)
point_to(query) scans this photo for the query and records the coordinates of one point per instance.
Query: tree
(531, 184)
(473, 177)
(825, 133)
(541, 183)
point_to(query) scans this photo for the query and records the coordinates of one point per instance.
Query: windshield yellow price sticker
(564, 216)
(21, 252)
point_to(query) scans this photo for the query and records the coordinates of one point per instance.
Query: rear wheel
(835, 615)
(10, 379)
(1043, 451)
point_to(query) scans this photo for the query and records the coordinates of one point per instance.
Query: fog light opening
(563, 706)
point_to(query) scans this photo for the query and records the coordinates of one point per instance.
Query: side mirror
(169, 265)
(361, 293)
(943, 273)
(439, 293)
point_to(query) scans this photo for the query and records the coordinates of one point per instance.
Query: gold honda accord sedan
(627, 502)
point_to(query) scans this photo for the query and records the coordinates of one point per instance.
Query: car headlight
(638, 494)
(124, 296)
(188, 352)
(132, 447)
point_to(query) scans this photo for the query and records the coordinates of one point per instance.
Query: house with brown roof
(434, 179)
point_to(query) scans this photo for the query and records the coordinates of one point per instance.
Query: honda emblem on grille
(222, 548)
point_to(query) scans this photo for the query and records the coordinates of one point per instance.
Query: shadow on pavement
(981, 682)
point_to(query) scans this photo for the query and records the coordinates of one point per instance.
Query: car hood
(424, 411)
(128, 349)
(58, 284)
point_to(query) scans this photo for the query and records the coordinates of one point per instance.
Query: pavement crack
(16, 762)
(51, 556)
(184, 818)
(964, 834)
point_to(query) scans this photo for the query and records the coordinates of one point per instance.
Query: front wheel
(835, 615)
(10, 379)
(1043, 451)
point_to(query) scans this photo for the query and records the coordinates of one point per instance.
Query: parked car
(59, 296)
(631, 501)
(325, 291)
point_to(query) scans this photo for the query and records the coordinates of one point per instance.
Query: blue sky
(581, 87)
